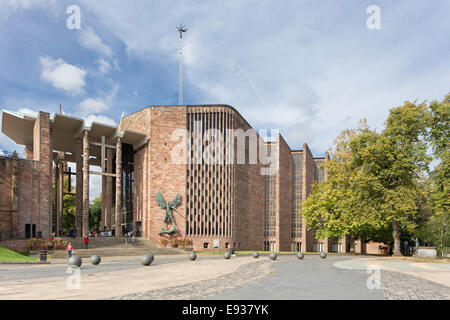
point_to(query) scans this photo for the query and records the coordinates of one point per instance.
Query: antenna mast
(181, 29)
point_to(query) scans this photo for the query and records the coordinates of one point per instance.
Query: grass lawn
(13, 256)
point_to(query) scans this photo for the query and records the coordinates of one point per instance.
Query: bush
(46, 244)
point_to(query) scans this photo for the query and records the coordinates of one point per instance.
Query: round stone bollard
(273, 256)
(227, 255)
(255, 254)
(95, 260)
(147, 259)
(193, 256)
(75, 261)
(323, 255)
(300, 255)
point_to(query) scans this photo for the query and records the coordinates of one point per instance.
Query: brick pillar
(109, 189)
(85, 228)
(103, 221)
(15, 197)
(59, 197)
(79, 187)
(118, 187)
(43, 152)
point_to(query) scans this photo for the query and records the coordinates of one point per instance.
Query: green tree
(373, 182)
(95, 213)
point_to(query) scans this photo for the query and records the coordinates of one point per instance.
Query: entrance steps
(114, 247)
(109, 242)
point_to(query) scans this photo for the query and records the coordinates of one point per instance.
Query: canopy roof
(65, 129)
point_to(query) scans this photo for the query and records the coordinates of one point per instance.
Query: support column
(15, 197)
(109, 189)
(85, 229)
(79, 187)
(60, 198)
(118, 188)
(103, 221)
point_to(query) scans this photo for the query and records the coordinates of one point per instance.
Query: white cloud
(28, 111)
(62, 75)
(100, 104)
(93, 105)
(9, 7)
(98, 118)
(90, 40)
(103, 66)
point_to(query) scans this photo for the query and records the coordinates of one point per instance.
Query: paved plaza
(240, 278)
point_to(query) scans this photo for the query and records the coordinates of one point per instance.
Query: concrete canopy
(65, 129)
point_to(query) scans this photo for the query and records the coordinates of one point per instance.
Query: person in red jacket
(69, 249)
(86, 241)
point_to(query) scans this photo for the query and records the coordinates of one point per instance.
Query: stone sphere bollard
(300, 255)
(273, 256)
(255, 254)
(227, 255)
(75, 261)
(147, 259)
(193, 256)
(95, 260)
(323, 255)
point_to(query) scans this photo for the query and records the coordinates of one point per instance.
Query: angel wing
(160, 200)
(176, 202)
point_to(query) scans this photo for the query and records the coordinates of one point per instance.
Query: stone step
(115, 252)
(108, 242)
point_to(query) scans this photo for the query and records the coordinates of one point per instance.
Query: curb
(24, 262)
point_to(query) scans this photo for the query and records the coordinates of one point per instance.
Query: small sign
(216, 243)
(109, 233)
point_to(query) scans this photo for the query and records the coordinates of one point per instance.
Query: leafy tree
(439, 138)
(95, 213)
(373, 181)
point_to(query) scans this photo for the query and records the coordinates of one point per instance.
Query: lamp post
(442, 239)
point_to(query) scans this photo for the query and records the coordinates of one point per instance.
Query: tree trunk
(396, 228)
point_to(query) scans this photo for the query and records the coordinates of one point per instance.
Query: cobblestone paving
(399, 286)
(243, 276)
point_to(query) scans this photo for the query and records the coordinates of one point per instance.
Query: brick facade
(223, 200)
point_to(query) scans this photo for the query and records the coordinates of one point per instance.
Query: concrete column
(79, 186)
(85, 228)
(109, 188)
(118, 188)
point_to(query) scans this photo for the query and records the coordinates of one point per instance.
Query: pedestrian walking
(133, 239)
(86, 241)
(126, 238)
(69, 249)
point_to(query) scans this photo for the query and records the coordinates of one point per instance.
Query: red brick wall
(16, 245)
(284, 196)
(308, 181)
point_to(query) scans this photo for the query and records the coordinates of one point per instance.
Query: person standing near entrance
(133, 239)
(126, 238)
(69, 249)
(86, 241)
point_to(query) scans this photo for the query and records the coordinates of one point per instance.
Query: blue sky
(308, 68)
